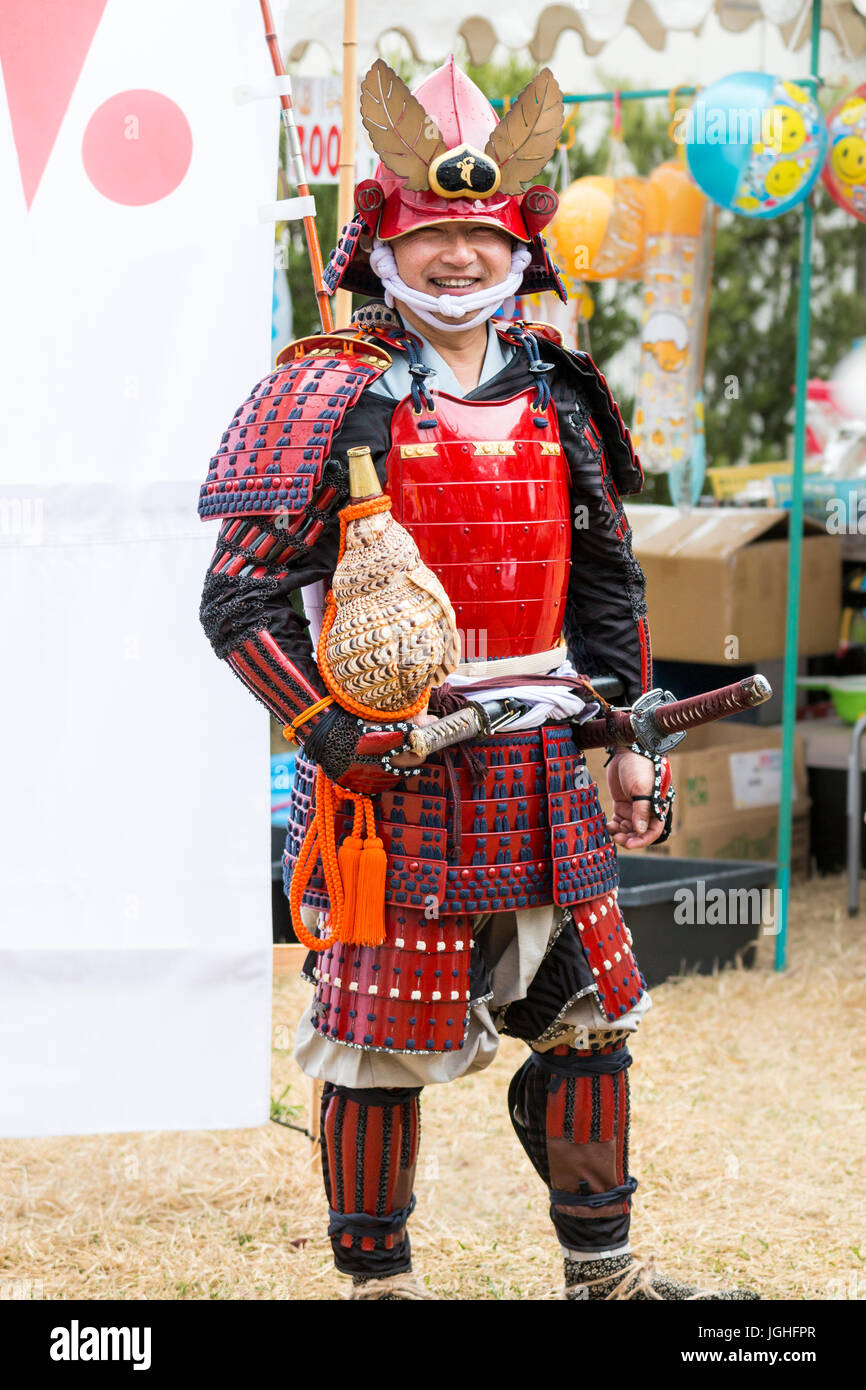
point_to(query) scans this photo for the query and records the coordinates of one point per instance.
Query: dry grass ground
(749, 1139)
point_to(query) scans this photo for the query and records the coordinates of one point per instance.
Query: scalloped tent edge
(538, 27)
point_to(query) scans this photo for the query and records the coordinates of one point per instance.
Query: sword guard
(646, 731)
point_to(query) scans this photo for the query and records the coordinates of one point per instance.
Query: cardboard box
(727, 779)
(720, 574)
(749, 835)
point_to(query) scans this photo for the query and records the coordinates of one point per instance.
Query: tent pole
(795, 544)
(345, 204)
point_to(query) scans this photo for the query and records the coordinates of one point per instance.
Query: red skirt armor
(482, 487)
(531, 833)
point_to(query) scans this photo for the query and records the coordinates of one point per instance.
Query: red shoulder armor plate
(271, 457)
(543, 330)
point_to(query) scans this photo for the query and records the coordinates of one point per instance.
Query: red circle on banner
(137, 147)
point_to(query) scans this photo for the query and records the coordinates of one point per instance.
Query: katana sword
(656, 721)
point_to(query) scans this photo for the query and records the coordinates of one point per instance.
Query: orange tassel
(369, 927)
(348, 861)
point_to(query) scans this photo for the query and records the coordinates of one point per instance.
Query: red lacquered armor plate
(484, 493)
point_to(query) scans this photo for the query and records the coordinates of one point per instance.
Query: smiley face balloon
(755, 143)
(844, 173)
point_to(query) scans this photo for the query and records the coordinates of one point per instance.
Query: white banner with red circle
(135, 931)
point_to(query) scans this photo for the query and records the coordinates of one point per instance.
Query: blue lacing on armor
(418, 371)
(537, 366)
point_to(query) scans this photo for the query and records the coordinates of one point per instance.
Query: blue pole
(795, 543)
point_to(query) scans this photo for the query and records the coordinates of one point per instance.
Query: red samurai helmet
(444, 156)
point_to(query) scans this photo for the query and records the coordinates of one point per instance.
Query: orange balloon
(598, 231)
(674, 203)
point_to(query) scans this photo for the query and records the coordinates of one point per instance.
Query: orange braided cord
(355, 511)
(319, 842)
(289, 730)
(300, 878)
(347, 701)
(328, 850)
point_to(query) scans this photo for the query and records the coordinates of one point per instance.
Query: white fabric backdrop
(135, 935)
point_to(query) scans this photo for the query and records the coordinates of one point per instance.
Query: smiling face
(789, 129)
(849, 159)
(454, 258)
(783, 178)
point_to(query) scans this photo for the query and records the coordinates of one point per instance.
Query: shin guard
(369, 1153)
(570, 1110)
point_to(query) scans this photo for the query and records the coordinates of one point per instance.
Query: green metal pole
(795, 544)
(643, 94)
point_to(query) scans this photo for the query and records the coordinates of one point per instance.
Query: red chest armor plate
(485, 495)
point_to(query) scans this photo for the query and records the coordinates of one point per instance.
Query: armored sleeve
(248, 614)
(606, 623)
(286, 538)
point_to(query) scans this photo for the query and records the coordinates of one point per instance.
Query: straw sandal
(640, 1280)
(394, 1287)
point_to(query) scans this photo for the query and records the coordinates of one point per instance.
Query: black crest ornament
(464, 172)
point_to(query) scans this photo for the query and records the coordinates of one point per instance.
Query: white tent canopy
(430, 31)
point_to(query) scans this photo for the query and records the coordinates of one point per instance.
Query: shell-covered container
(394, 632)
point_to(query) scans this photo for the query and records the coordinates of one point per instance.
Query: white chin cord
(452, 306)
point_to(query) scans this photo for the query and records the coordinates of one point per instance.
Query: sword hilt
(451, 728)
(475, 720)
(715, 704)
(658, 722)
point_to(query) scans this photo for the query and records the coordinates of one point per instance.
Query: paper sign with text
(318, 113)
(756, 778)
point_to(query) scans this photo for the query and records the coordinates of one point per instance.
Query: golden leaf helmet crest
(404, 137)
(409, 142)
(524, 140)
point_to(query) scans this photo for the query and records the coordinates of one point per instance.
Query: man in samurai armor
(505, 458)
